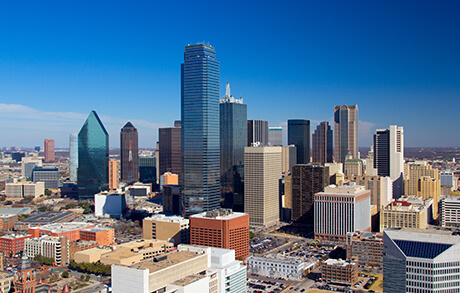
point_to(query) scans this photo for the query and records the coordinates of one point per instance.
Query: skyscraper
(93, 157)
(73, 156)
(200, 129)
(233, 139)
(275, 136)
(49, 150)
(389, 156)
(129, 153)
(257, 132)
(345, 132)
(299, 135)
(322, 144)
(169, 139)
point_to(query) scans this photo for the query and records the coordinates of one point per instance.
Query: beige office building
(380, 188)
(262, 172)
(175, 229)
(353, 167)
(406, 212)
(345, 132)
(287, 198)
(113, 175)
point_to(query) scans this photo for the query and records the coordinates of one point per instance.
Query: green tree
(251, 235)
(48, 192)
(44, 260)
(82, 277)
(88, 277)
(65, 274)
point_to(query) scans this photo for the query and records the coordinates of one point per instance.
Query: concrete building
(28, 164)
(6, 281)
(449, 208)
(262, 172)
(71, 230)
(322, 148)
(221, 228)
(139, 190)
(257, 132)
(53, 247)
(340, 271)
(285, 267)
(112, 204)
(49, 150)
(129, 153)
(408, 212)
(336, 176)
(353, 167)
(342, 209)
(19, 190)
(113, 174)
(346, 132)
(380, 188)
(420, 261)
(51, 176)
(306, 181)
(168, 178)
(275, 136)
(174, 229)
(73, 157)
(289, 159)
(366, 248)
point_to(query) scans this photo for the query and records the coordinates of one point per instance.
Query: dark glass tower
(233, 137)
(299, 135)
(129, 153)
(200, 129)
(322, 144)
(170, 150)
(93, 157)
(257, 132)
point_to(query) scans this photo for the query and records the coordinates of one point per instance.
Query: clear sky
(398, 60)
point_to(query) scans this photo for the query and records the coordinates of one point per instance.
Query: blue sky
(398, 60)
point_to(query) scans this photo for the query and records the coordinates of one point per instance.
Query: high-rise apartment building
(257, 132)
(419, 260)
(93, 157)
(49, 150)
(389, 156)
(169, 139)
(129, 153)
(200, 129)
(233, 140)
(113, 174)
(306, 180)
(322, 149)
(299, 135)
(342, 209)
(275, 136)
(73, 156)
(345, 132)
(221, 228)
(262, 172)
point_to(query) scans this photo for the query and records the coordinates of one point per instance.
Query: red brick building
(104, 236)
(7, 221)
(71, 230)
(12, 244)
(221, 228)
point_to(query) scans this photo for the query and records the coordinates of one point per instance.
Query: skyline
(59, 62)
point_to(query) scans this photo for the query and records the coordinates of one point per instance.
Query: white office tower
(449, 210)
(190, 269)
(28, 164)
(73, 156)
(419, 260)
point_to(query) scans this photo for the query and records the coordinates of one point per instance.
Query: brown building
(322, 144)
(306, 181)
(340, 271)
(366, 247)
(170, 150)
(345, 132)
(168, 228)
(49, 150)
(103, 236)
(13, 244)
(7, 221)
(221, 228)
(129, 153)
(113, 175)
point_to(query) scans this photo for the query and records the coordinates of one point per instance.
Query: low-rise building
(19, 190)
(276, 266)
(44, 218)
(340, 271)
(49, 175)
(77, 246)
(171, 228)
(407, 211)
(7, 222)
(69, 229)
(48, 246)
(109, 204)
(6, 281)
(103, 236)
(366, 247)
(13, 244)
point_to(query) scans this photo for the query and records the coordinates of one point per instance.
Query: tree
(251, 235)
(8, 202)
(82, 277)
(65, 274)
(44, 260)
(88, 277)
(48, 192)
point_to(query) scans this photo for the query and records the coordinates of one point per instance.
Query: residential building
(262, 172)
(286, 267)
(322, 148)
(257, 132)
(306, 180)
(365, 248)
(221, 228)
(299, 135)
(233, 139)
(73, 157)
(340, 271)
(109, 203)
(174, 229)
(200, 129)
(170, 150)
(13, 244)
(49, 150)
(346, 132)
(50, 175)
(275, 136)
(19, 190)
(341, 209)
(407, 212)
(129, 153)
(449, 210)
(53, 247)
(416, 260)
(93, 157)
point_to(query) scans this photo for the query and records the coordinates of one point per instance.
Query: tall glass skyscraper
(322, 144)
(93, 157)
(73, 156)
(200, 129)
(299, 135)
(233, 139)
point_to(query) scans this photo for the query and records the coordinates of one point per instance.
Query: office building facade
(93, 157)
(322, 148)
(51, 176)
(345, 132)
(147, 169)
(169, 139)
(275, 136)
(257, 132)
(129, 153)
(299, 135)
(449, 209)
(200, 129)
(49, 150)
(73, 156)
(113, 174)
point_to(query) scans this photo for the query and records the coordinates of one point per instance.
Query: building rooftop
(221, 214)
(16, 211)
(14, 236)
(338, 262)
(188, 280)
(277, 259)
(96, 229)
(7, 215)
(64, 227)
(137, 244)
(43, 218)
(164, 218)
(344, 189)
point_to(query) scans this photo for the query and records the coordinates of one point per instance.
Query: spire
(227, 90)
